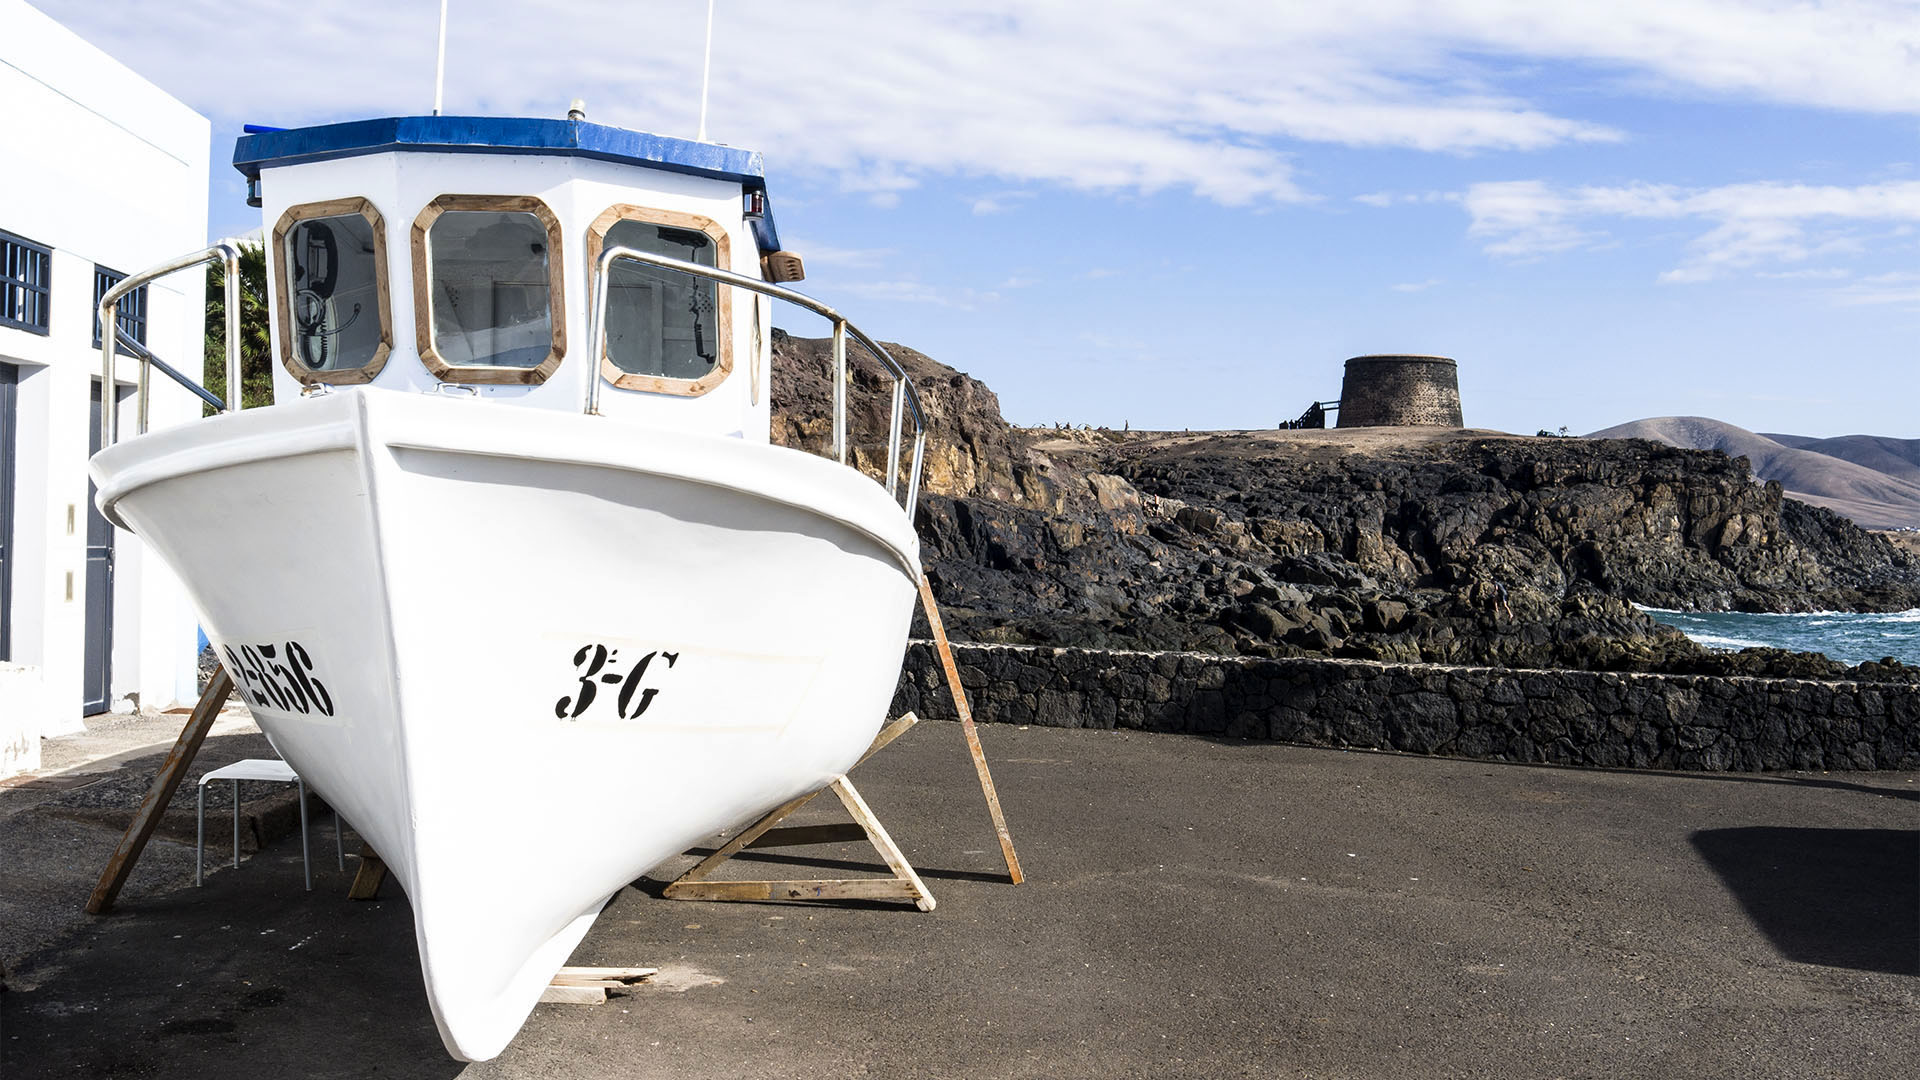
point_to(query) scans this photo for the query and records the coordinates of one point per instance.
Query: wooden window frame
(722, 305)
(423, 291)
(283, 297)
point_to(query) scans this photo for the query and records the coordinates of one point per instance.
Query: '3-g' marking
(596, 666)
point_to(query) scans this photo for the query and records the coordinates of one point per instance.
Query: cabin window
(667, 332)
(330, 275)
(486, 272)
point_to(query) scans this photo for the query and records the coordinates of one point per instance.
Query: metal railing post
(893, 434)
(596, 330)
(230, 256)
(840, 390)
(109, 312)
(228, 252)
(906, 398)
(913, 478)
(142, 395)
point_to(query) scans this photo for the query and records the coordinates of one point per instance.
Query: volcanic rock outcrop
(1384, 544)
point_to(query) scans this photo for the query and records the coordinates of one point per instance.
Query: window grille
(130, 313)
(26, 273)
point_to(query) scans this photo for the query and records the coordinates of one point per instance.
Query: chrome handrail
(228, 252)
(904, 392)
(141, 352)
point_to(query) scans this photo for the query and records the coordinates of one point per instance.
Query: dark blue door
(9, 376)
(98, 690)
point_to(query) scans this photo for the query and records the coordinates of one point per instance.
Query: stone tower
(1395, 391)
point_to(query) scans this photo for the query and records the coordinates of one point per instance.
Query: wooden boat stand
(904, 884)
(590, 985)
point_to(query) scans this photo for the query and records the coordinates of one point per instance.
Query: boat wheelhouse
(514, 529)
(421, 252)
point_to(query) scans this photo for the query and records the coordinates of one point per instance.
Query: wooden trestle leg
(165, 783)
(903, 885)
(973, 736)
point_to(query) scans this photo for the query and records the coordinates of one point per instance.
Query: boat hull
(527, 655)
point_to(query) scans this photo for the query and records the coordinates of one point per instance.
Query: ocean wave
(1718, 641)
(1908, 616)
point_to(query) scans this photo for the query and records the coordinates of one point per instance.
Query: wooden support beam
(740, 842)
(887, 735)
(165, 783)
(822, 889)
(611, 977)
(966, 725)
(905, 884)
(589, 985)
(367, 879)
(746, 837)
(882, 842)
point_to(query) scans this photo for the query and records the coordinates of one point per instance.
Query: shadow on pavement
(1847, 898)
(867, 865)
(250, 976)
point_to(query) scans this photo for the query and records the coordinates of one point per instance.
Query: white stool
(271, 769)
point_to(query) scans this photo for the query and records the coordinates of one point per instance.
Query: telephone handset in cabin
(699, 300)
(321, 267)
(316, 275)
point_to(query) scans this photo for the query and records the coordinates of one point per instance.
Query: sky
(1189, 215)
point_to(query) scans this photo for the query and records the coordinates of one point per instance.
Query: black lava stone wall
(1589, 718)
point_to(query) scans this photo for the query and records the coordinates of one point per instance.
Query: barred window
(26, 272)
(130, 313)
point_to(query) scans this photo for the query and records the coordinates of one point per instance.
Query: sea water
(1849, 637)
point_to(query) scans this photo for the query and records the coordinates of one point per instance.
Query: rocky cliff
(1384, 544)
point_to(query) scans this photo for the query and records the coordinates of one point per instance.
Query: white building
(101, 174)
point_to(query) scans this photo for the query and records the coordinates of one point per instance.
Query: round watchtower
(1400, 391)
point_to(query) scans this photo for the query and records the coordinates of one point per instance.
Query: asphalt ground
(1193, 908)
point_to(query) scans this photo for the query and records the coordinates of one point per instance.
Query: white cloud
(1140, 96)
(1750, 225)
(919, 292)
(1416, 286)
(818, 254)
(1823, 273)
(998, 202)
(1900, 288)
(1384, 199)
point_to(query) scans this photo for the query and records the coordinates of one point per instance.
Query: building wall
(1400, 391)
(106, 170)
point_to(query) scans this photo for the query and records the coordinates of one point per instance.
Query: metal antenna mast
(440, 66)
(706, 72)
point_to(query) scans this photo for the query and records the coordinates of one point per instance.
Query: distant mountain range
(1872, 479)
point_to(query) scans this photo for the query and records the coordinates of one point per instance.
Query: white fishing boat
(510, 572)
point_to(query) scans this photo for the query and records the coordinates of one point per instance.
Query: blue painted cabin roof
(265, 149)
